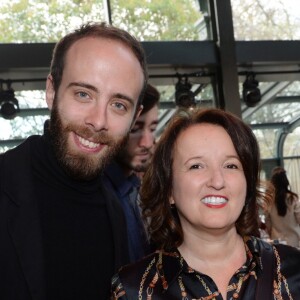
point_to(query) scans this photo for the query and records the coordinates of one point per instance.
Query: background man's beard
(142, 167)
(81, 166)
(127, 161)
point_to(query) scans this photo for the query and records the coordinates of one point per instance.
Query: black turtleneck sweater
(77, 237)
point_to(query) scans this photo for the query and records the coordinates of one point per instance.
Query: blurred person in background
(134, 158)
(283, 216)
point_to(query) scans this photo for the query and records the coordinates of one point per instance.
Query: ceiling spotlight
(184, 97)
(9, 105)
(251, 92)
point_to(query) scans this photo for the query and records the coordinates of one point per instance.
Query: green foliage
(41, 21)
(158, 20)
(265, 19)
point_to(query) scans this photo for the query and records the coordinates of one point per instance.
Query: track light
(251, 92)
(9, 105)
(184, 97)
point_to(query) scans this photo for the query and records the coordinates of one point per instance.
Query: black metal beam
(172, 53)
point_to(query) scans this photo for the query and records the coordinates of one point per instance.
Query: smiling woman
(199, 199)
(209, 185)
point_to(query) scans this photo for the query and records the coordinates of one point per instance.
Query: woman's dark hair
(162, 221)
(283, 194)
(101, 30)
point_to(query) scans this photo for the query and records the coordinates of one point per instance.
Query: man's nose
(147, 138)
(97, 117)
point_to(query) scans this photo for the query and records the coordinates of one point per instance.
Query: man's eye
(82, 94)
(135, 129)
(119, 106)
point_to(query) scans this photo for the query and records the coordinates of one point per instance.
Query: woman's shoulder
(285, 256)
(125, 283)
(289, 256)
(283, 262)
(149, 262)
(134, 278)
(287, 268)
(292, 198)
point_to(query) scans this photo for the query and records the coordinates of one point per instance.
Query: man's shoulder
(16, 160)
(112, 170)
(114, 177)
(20, 148)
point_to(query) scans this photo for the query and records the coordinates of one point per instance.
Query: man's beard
(79, 166)
(142, 166)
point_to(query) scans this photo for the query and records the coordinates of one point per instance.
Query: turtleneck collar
(48, 169)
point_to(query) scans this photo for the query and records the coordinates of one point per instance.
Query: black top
(75, 230)
(166, 275)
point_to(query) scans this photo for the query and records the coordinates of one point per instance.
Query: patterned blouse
(166, 275)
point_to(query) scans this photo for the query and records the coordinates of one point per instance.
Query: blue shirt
(126, 190)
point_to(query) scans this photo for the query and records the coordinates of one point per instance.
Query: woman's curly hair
(161, 219)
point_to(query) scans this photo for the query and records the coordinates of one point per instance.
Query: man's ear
(138, 111)
(50, 93)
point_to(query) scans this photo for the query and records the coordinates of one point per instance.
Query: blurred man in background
(133, 159)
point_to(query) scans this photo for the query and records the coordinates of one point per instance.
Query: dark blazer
(21, 254)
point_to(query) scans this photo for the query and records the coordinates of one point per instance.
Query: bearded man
(62, 235)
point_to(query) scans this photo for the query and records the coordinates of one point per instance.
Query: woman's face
(209, 185)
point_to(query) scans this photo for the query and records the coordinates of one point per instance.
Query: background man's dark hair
(151, 98)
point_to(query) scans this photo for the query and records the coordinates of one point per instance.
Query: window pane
(292, 167)
(292, 144)
(266, 139)
(44, 21)
(284, 107)
(30, 120)
(157, 20)
(153, 20)
(266, 20)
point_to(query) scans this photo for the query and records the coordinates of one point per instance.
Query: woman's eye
(232, 166)
(195, 167)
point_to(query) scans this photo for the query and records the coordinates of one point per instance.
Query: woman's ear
(171, 200)
(50, 93)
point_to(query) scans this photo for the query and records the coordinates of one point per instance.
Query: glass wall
(28, 21)
(266, 20)
(37, 21)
